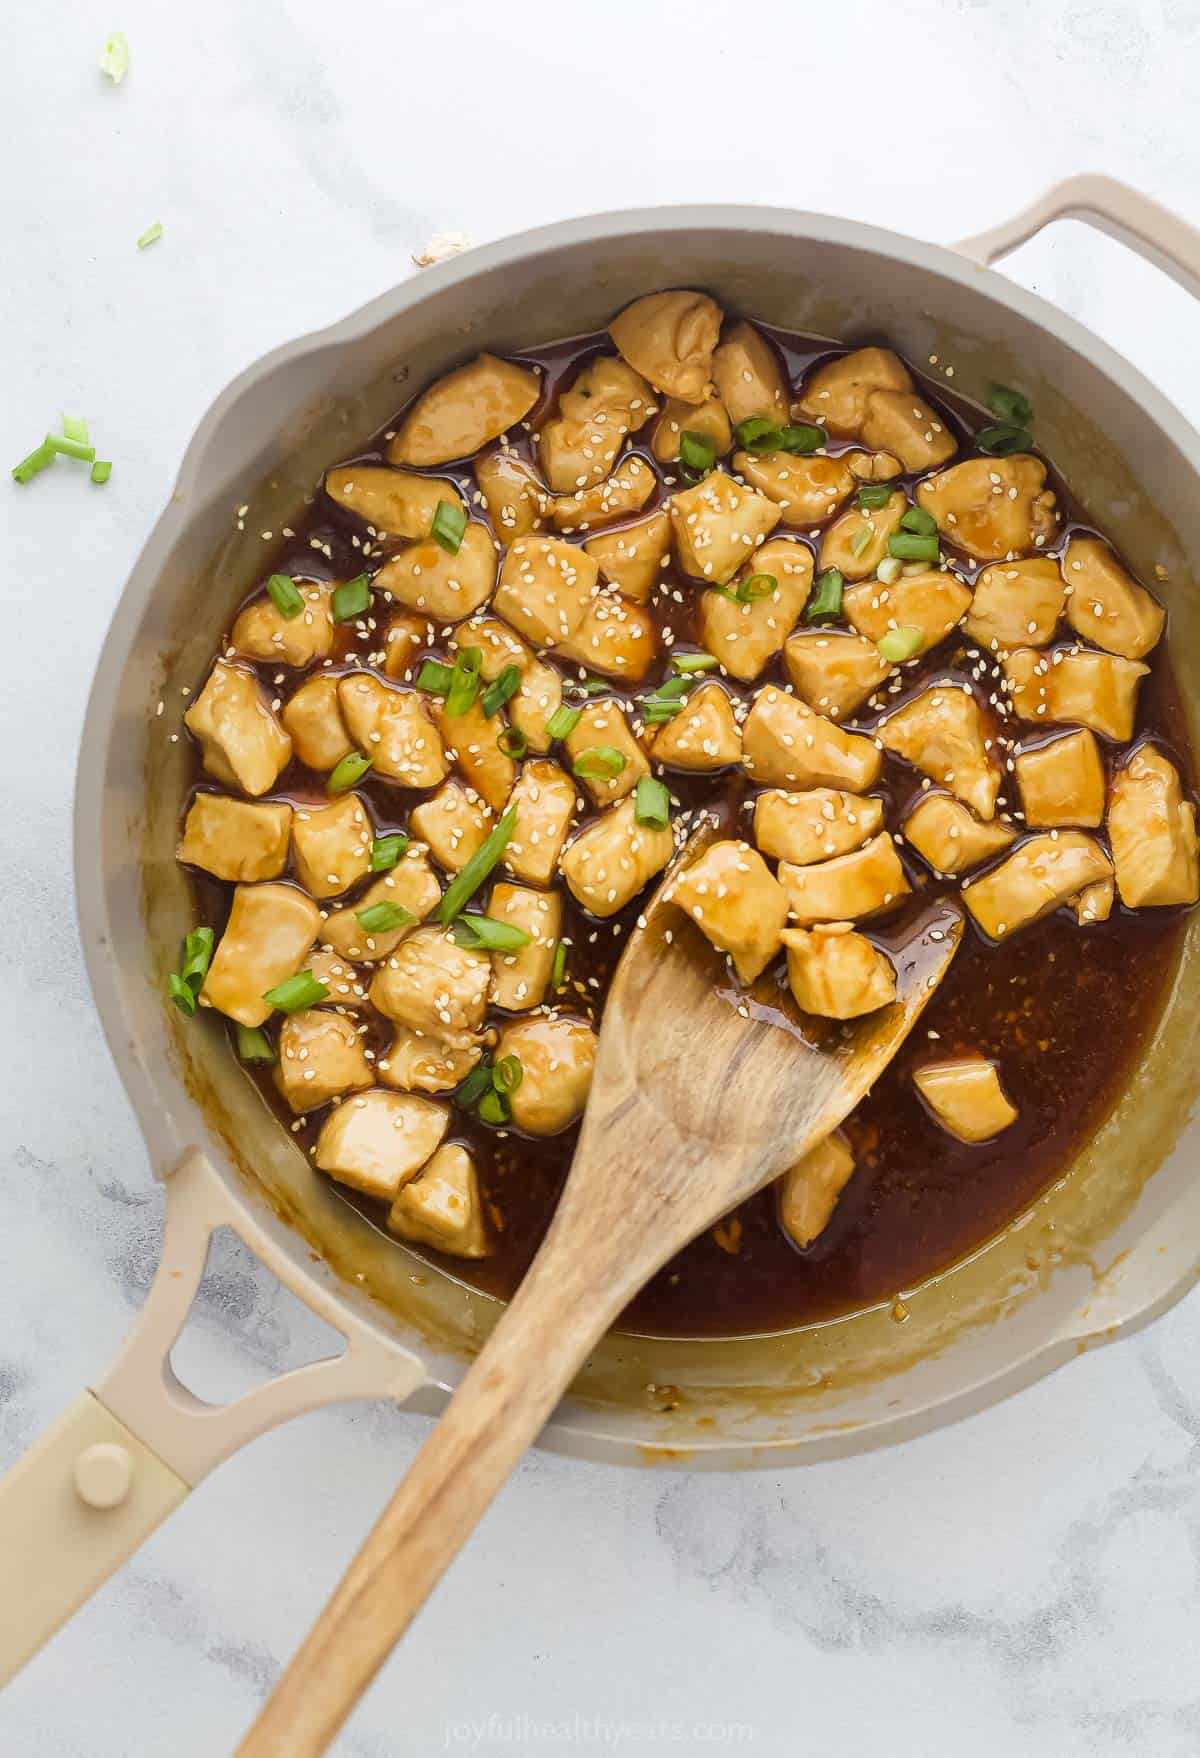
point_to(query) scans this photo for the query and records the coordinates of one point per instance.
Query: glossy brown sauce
(1064, 1010)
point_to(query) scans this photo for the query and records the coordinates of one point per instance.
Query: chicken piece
(376, 1141)
(1105, 604)
(903, 424)
(952, 839)
(833, 672)
(808, 1191)
(395, 503)
(626, 491)
(785, 744)
(718, 524)
(603, 724)
(417, 1063)
(703, 737)
(513, 493)
(808, 490)
(557, 1055)
(427, 578)
(943, 733)
(873, 466)
(749, 377)
(498, 646)
(454, 823)
(346, 987)
(835, 973)
(241, 742)
(235, 840)
(733, 899)
(321, 1057)
(857, 541)
(615, 637)
(411, 886)
(1152, 829)
(669, 338)
(1094, 903)
(442, 1206)
(866, 882)
(966, 1098)
(545, 588)
(470, 741)
(746, 636)
(405, 636)
(707, 419)
(815, 826)
(314, 723)
(331, 845)
(394, 729)
(463, 411)
(836, 394)
(261, 631)
(579, 446)
(434, 986)
(976, 508)
(1062, 782)
(269, 931)
(1016, 604)
(1097, 690)
(1042, 873)
(930, 604)
(632, 559)
(545, 800)
(611, 861)
(538, 698)
(520, 979)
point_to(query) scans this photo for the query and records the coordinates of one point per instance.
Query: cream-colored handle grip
(1112, 207)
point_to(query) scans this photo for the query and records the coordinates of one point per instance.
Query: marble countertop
(1026, 1581)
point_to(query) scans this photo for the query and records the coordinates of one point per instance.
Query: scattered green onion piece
(603, 761)
(101, 470)
(1002, 441)
(911, 547)
(558, 968)
(873, 496)
(757, 586)
(501, 690)
(1011, 407)
(296, 993)
(697, 452)
(449, 525)
(655, 712)
(386, 851)
(151, 235)
(182, 995)
(801, 437)
(482, 933)
(472, 1089)
(382, 917)
(75, 428)
(827, 600)
(434, 677)
(511, 742)
(590, 686)
(918, 520)
(31, 466)
(508, 1074)
(671, 688)
(464, 681)
(70, 448)
(254, 1044)
(652, 803)
(352, 599)
(494, 1108)
(350, 770)
(114, 57)
(899, 644)
(690, 662)
(286, 596)
(861, 539)
(562, 722)
(197, 956)
(756, 434)
(460, 890)
(889, 570)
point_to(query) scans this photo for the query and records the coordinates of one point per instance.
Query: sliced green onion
(483, 933)
(1002, 441)
(351, 769)
(861, 539)
(494, 1108)
(31, 466)
(670, 688)
(254, 1044)
(889, 570)
(757, 586)
(75, 428)
(501, 690)
(58, 442)
(464, 680)
(652, 803)
(590, 686)
(801, 437)
(508, 1074)
(603, 761)
(449, 525)
(697, 452)
(472, 1089)
(1012, 407)
(827, 600)
(758, 435)
(460, 890)
(114, 57)
(562, 722)
(558, 968)
(151, 235)
(655, 712)
(690, 662)
(352, 599)
(101, 470)
(286, 596)
(911, 547)
(434, 677)
(196, 956)
(511, 742)
(182, 994)
(296, 993)
(382, 917)
(900, 644)
(386, 851)
(872, 496)
(918, 520)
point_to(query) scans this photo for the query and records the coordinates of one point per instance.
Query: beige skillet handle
(125, 1454)
(1112, 207)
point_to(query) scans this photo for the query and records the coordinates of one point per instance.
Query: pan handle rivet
(104, 1475)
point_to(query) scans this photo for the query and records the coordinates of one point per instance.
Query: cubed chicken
(1016, 604)
(1098, 690)
(235, 840)
(745, 636)
(836, 973)
(545, 588)
(707, 420)
(615, 637)
(434, 986)
(611, 861)
(313, 720)
(463, 411)
(376, 1141)
(331, 845)
(951, 838)
(406, 634)
(471, 741)
(873, 466)
(632, 560)
(836, 394)
(545, 800)
(442, 1206)
(626, 491)
(807, 490)
(718, 525)
(857, 541)
(669, 338)
(994, 508)
(426, 578)
(497, 645)
(513, 493)
(321, 1057)
(866, 882)
(903, 424)
(703, 736)
(453, 823)
(1041, 874)
(1105, 604)
(925, 605)
(1062, 782)
(1152, 829)
(733, 899)
(520, 979)
(579, 446)
(261, 631)
(784, 744)
(270, 930)
(417, 1063)
(394, 729)
(814, 826)
(833, 672)
(395, 503)
(411, 886)
(538, 699)
(603, 726)
(557, 1055)
(749, 376)
(344, 984)
(943, 733)
(809, 1190)
(965, 1096)
(241, 742)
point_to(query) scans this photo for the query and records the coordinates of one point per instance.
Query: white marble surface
(1026, 1582)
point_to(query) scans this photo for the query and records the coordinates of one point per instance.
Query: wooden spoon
(703, 1092)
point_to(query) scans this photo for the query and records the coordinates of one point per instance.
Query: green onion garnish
(296, 993)
(758, 435)
(563, 721)
(31, 466)
(656, 712)
(285, 596)
(558, 968)
(183, 996)
(463, 888)
(918, 520)
(482, 933)
(602, 761)
(860, 540)
(386, 851)
(690, 662)
(494, 1108)
(449, 525)
(1002, 441)
(827, 600)
(70, 448)
(511, 742)
(652, 803)
(382, 917)
(508, 1074)
(472, 1089)
(670, 688)
(802, 437)
(101, 470)
(464, 680)
(351, 769)
(151, 235)
(757, 586)
(1010, 406)
(114, 57)
(697, 452)
(185, 983)
(501, 690)
(254, 1045)
(352, 599)
(910, 546)
(76, 428)
(899, 644)
(434, 677)
(873, 496)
